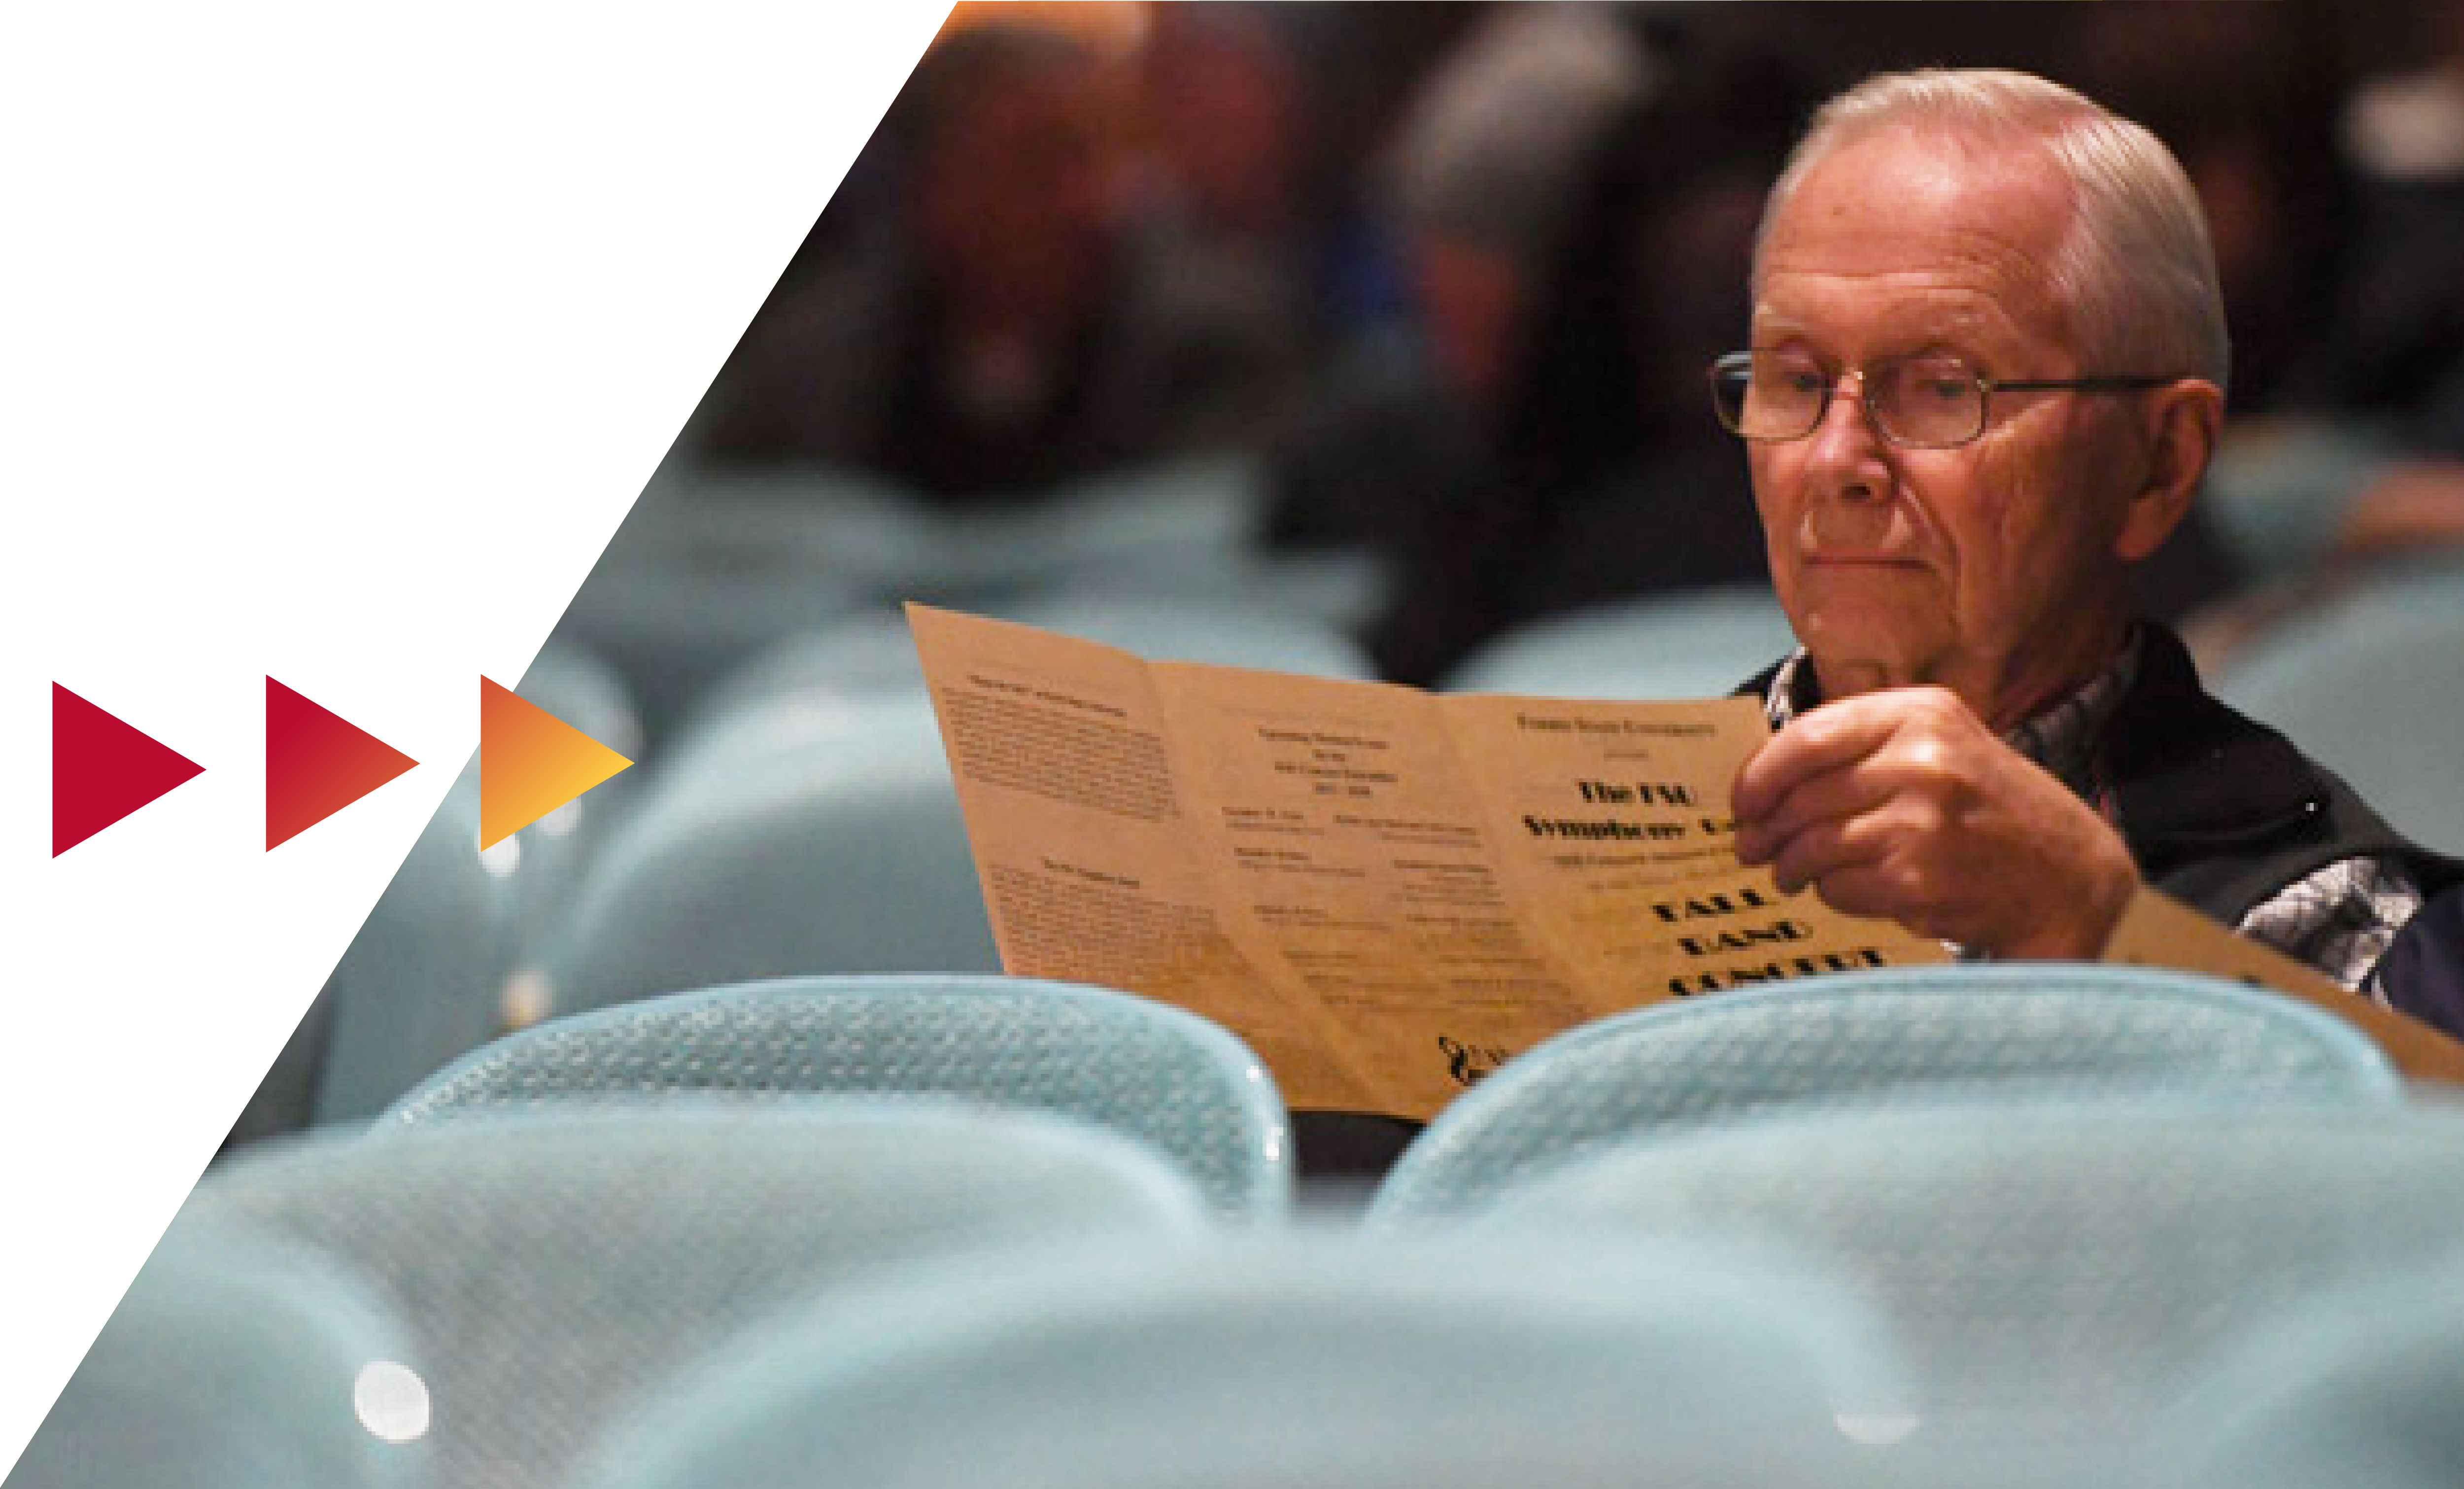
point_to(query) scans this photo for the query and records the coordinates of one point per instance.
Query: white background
(334, 342)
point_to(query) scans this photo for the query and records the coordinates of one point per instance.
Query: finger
(1860, 785)
(1815, 741)
(1810, 856)
(1883, 889)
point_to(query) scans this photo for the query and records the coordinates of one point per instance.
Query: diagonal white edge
(337, 341)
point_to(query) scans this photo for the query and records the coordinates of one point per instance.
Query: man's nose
(1845, 453)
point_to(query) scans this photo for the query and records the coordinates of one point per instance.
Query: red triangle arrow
(103, 770)
(317, 763)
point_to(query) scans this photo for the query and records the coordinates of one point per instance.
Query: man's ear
(2183, 420)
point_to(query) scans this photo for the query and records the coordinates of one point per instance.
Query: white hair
(2135, 269)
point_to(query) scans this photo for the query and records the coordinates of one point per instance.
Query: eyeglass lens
(1915, 400)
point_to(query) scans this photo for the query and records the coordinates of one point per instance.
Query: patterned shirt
(2338, 919)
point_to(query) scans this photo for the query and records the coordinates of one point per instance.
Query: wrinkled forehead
(1930, 209)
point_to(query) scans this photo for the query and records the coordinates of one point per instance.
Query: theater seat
(2057, 1276)
(236, 1361)
(824, 845)
(2367, 685)
(1899, 1036)
(1308, 1361)
(554, 1268)
(1697, 644)
(1137, 1066)
(427, 976)
(2361, 1387)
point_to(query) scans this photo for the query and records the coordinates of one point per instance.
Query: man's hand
(1901, 804)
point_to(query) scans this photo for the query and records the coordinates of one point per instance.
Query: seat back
(446, 960)
(843, 666)
(670, 620)
(2364, 684)
(1888, 1038)
(555, 1266)
(2362, 1386)
(1698, 644)
(2056, 1274)
(782, 854)
(1168, 517)
(1226, 631)
(1174, 1079)
(545, 861)
(236, 1362)
(426, 977)
(1306, 1360)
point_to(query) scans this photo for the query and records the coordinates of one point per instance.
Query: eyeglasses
(1925, 402)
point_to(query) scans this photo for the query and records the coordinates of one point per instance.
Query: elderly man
(1986, 369)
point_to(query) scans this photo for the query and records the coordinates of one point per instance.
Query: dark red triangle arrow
(103, 770)
(317, 763)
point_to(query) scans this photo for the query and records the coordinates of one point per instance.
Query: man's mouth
(1863, 561)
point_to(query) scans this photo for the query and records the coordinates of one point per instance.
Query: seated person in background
(1985, 376)
(1003, 321)
(1552, 191)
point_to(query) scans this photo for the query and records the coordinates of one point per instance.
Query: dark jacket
(2423, 971)
(2219, 810)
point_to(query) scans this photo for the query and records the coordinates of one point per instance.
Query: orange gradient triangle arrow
(317, 763)
(531, 762)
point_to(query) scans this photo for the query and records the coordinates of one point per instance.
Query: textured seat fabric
(1300, 1359)
(1145, 1068)
(232, 1363)
(2017, 1031)
(555, 1266)
(442, 964)
(2055, 1275)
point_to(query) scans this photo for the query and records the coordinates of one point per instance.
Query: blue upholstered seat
(1140, 1067)
(237, 1362)
(1301, 1359)
(1889, 1037)
(2057, 1276)
(555, 1267)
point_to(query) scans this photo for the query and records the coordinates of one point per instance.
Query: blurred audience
(1454, 271)
(2364, 455)
(1566, 199)
(1223, 121)
(1004, 319)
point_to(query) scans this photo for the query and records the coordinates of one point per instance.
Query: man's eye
(1934, 384)
(1799, 380)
